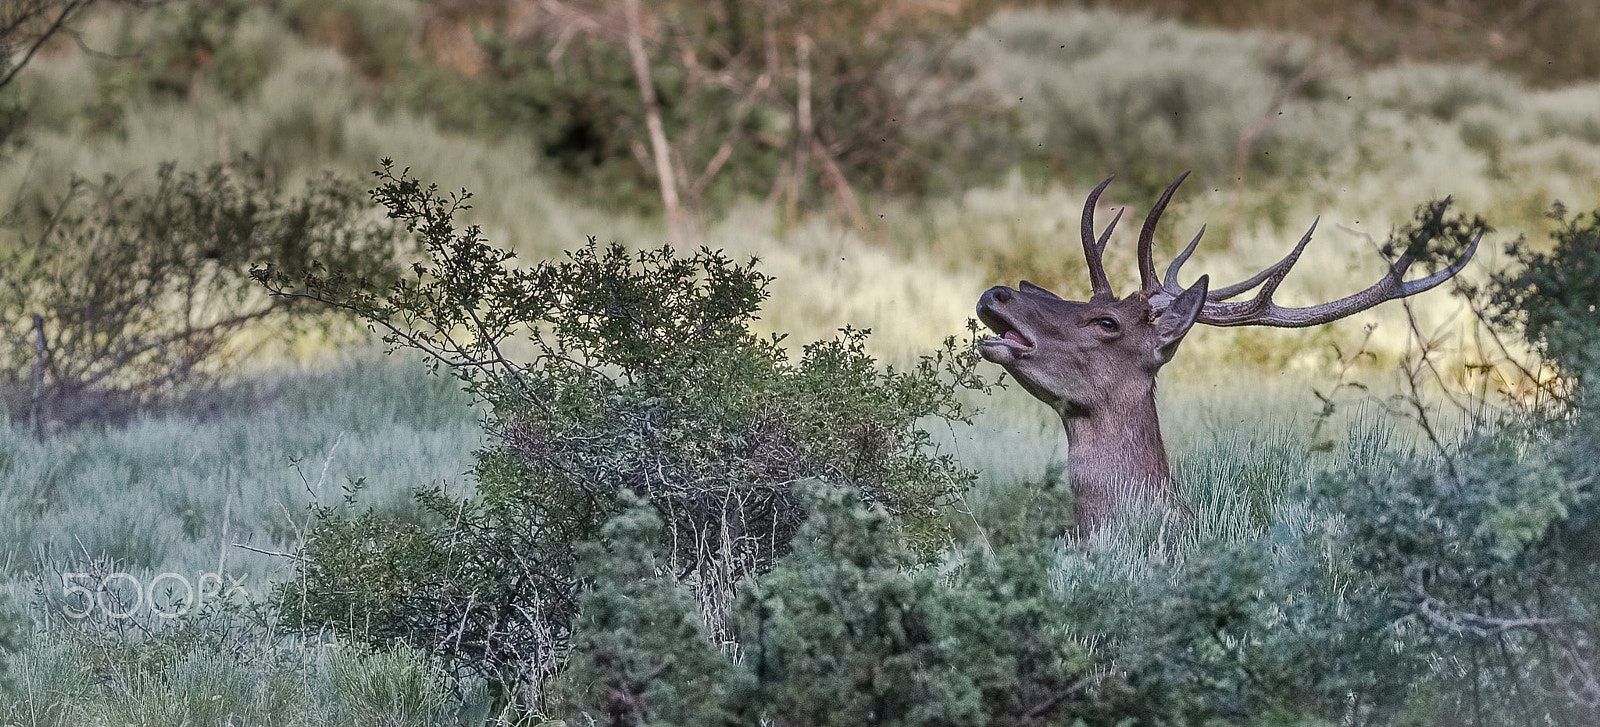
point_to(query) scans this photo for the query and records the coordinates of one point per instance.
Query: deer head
(1095, 362)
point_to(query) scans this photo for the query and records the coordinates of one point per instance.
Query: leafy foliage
(1550, 297)
(640, 653)
(607, 372)
(1485, 562)
(1434, 236)
(852, 630)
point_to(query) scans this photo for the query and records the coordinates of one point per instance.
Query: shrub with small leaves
(1550, 296)
(129, 296)
(1484, 561)
(852, 630)
(849, 629)
(610, 371)
(640, 653)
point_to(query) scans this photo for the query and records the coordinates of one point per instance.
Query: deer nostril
(1001, 294)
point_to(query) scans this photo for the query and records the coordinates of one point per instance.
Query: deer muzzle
(1011, 340)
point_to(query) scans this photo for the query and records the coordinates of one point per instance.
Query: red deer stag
(1095, 362)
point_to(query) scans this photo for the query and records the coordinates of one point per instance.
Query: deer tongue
(1013, 335)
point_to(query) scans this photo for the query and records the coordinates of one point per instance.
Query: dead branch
(661, 149)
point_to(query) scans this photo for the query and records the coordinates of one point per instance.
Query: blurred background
(888, 161)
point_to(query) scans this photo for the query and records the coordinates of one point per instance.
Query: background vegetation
(1358, 558)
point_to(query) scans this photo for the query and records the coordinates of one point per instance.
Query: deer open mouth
(1007, 334)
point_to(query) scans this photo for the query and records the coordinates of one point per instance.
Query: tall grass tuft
(397, 688)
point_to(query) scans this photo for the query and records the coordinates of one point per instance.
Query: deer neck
(1114, 455)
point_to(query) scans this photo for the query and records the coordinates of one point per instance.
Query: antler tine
(1260, 311)
(1283, 265)
(1170, 282)
(1105, 237)
(1281, 270)
(1091, 251)
(1421, 284)
(1148, 281)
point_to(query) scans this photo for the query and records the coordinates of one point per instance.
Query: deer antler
(1259, 310)
(1147, 236)
(1093, 250)
(1095, 362)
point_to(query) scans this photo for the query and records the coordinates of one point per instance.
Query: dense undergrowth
(1392, 575)
(1294, 592)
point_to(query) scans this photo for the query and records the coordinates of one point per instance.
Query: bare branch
(660, 148)
(1439, 615)
(69, 9)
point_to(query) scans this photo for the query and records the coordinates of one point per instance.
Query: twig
(1431, 610)
(68, 9)
(275, 553)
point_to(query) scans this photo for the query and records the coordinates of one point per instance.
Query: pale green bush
(1096, 90)
(1440, 91)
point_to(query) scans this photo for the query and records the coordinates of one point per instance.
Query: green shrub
(1484, 561)
(607, 372)
(1549, 296)
(849, 629)
(126, 296)
(852, 630)
(641, 653)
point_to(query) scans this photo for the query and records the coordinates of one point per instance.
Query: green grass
(286, 682)
(175, 494)
(219, 495)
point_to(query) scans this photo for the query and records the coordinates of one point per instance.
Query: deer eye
(1109, 324)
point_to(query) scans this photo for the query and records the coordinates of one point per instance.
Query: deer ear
(1028, 287)
(1179, 317)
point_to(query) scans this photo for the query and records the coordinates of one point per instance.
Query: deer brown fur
(1095, 362)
